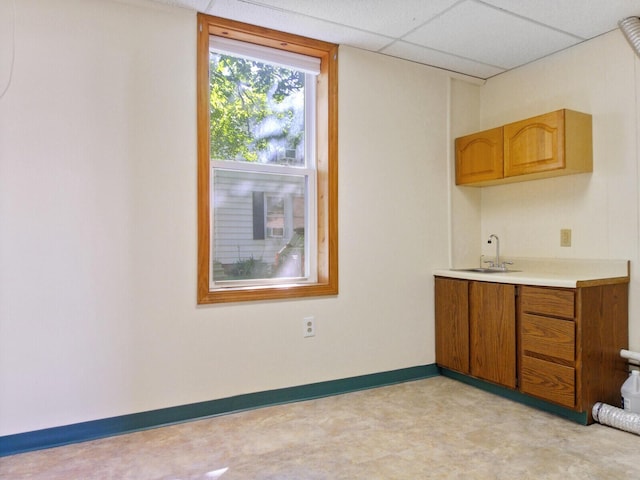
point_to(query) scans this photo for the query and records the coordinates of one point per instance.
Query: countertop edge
(536, 279)
(511, 277)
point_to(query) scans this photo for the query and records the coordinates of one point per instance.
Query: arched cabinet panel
(479, 157)
(549, 145)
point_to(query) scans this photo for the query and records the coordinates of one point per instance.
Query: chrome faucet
(496, 263)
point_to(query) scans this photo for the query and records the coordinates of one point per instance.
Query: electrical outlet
(309, 324)
(565, 237)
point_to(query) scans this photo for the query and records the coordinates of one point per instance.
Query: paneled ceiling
(480, 38)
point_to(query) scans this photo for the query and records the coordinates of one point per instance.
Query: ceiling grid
(479, 38)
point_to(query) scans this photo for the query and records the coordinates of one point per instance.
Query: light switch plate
(565, 237)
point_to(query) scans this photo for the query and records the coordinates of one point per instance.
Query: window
(267, 164)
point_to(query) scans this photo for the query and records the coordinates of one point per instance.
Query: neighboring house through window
(267, 164)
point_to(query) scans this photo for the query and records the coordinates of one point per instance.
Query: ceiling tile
(585, 18)
(476, 31)
(296, 24)
(440, 60)
(477, 37)
(380, 16)
(198, 5)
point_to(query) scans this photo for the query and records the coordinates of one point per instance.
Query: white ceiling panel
(397, 17)
(585, 18)
(198, 5)
(476, 31)
(438, 59)
(480, 38)
(298, 24)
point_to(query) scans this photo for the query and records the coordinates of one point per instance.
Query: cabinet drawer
(550, 337)
(548, 381)
(548, 301)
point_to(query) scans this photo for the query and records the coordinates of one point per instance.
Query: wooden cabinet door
(479, 157)
(452, 323)
(492, 331)
(534, 145)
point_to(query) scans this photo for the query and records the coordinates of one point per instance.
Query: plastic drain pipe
(616, 417)
(629, 355)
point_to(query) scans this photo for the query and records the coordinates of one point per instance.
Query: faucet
(496, 263)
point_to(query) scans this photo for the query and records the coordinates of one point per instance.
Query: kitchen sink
(483, 270)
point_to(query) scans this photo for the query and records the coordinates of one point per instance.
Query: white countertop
(549, 272)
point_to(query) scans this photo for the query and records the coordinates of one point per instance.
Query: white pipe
(629, 355)
(616, 417)
(630, 28)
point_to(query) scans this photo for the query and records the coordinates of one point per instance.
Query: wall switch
(565, 237)
(309, 326)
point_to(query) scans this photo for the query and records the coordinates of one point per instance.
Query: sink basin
(483, 270)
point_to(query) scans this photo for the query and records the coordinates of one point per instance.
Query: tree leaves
(256, 109)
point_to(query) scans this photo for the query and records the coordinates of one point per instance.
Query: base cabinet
(560, 345)
(452, 324)
(548, 344)
(492, 332)
(475, 329)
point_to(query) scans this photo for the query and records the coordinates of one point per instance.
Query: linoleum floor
(434, 428)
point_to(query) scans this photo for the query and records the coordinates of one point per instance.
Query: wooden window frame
(326, 161)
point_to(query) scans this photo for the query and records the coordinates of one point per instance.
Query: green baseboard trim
(578, 417)
(92, 430)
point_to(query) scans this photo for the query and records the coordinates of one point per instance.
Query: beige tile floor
(433, 428)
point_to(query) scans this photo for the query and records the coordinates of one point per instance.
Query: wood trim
(245, 32)
(602, 281)
(327, 160)
(203, 160)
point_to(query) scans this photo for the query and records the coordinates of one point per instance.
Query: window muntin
(319, 233)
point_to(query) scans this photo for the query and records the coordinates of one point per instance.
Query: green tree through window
(257, 110)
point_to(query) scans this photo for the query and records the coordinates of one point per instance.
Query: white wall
(98, 312)
(600, 77)
(465, 201)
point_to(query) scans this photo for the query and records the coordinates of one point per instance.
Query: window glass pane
(275, 216)
(258, 225)
(257, 111)
(267, 108)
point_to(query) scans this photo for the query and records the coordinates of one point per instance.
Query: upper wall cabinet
(479, 157)
(549, 145)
